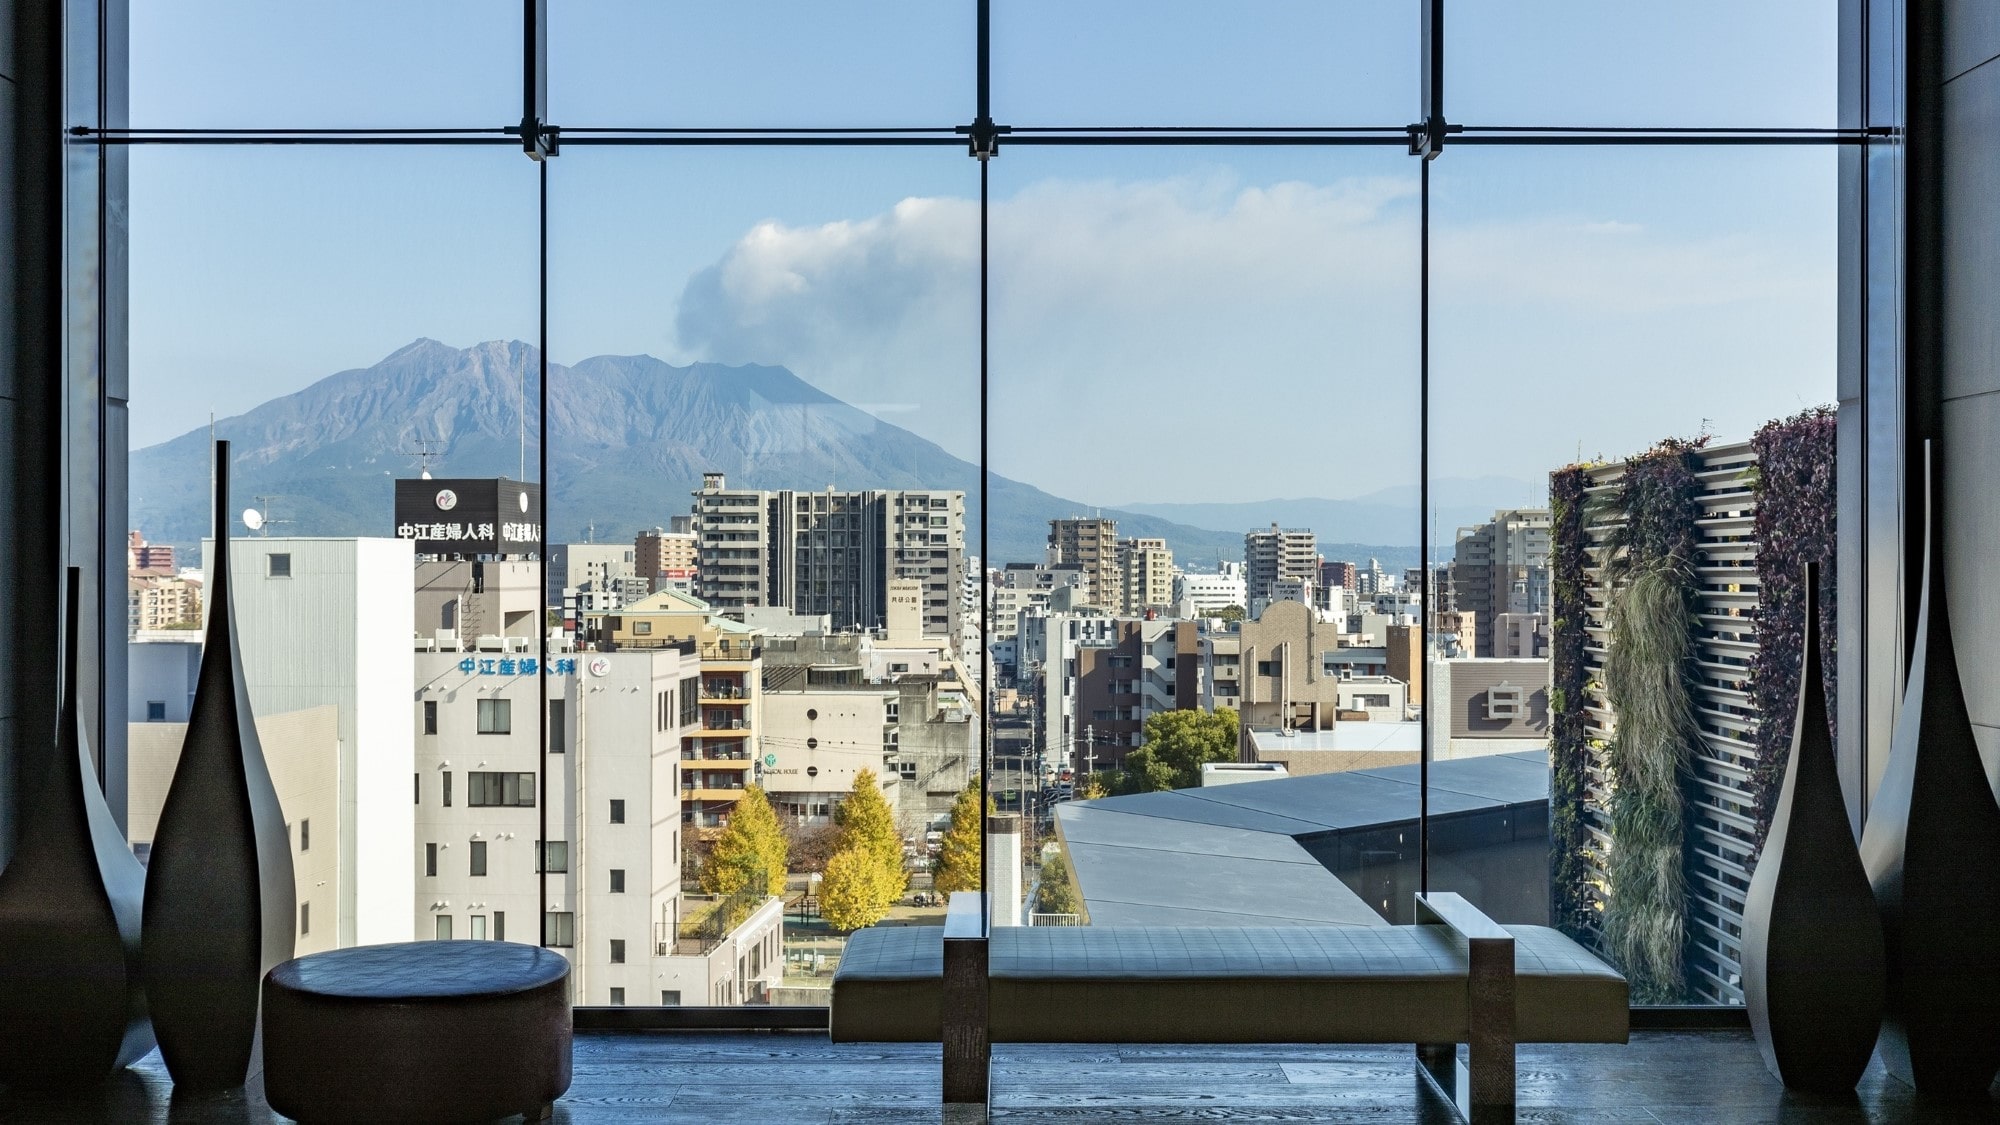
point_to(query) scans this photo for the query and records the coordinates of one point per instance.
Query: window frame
(1884, 390)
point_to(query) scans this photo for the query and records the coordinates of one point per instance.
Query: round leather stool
(418, 1031)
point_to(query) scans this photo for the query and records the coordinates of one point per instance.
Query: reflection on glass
(762, 430)
(1695, 63)
(321, 360)
(774, 63)
(1193, 63)
(213, 64)
(1607, 571)
(1204, 420)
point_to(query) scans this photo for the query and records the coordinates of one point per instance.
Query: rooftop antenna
(258, 519)
(427, 452)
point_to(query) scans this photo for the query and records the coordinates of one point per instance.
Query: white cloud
(1197, 338)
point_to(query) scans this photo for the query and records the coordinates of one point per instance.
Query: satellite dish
(253, 519)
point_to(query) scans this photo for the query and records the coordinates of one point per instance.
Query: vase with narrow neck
(1932, 851)
(219, 885)
(72, 1009)
(1812, 940)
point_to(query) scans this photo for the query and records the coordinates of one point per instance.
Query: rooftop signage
(469, 517)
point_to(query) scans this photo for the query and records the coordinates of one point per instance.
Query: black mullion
(1425, 609)
(542, 535)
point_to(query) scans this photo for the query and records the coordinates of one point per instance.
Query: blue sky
(1255, 307)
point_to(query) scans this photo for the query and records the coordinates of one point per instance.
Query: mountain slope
(629, 438)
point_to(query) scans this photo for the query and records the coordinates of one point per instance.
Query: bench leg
(967, 1051)
(1482, 1092)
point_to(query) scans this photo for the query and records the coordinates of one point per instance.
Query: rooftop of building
(1234, 855)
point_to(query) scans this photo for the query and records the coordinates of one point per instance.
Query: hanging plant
(1572, 900)
(1649, 679)
(1795, 490)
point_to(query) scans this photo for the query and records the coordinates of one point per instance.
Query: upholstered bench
(418, 1032)
(1455, 978)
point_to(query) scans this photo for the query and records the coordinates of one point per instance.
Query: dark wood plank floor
(1662, 1078)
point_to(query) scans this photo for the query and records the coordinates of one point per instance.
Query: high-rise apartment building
(659, 555)
(1340, 574)
(1501, 567)
(141, 555)
(1276, 554)
(156, 601)
(596, 565)
(831, 553)
(1146, 575)
(1093, 545)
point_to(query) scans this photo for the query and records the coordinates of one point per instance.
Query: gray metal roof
(1230, 855)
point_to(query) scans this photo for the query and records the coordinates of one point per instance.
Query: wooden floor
(1696, 1078)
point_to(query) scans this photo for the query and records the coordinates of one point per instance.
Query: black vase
(219, 890)
(1812, 940)
(1932, 850)
(71, 1006)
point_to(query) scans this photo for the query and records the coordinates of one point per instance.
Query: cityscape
(770, 715)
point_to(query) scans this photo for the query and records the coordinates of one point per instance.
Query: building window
(431, 860)
(496, 716)
(447, 789)
(559, 929)
(617, 812)
(278, 565)
(444, 927)
(617, 997)
(690, 694)
(488, 790)
(305, 835)
(558, 715)
(642, 628)
(417, 787)
(499, 925)
(156, 710)
(670, 998)
(478, 857)
(618, 951)
(1267, 667)
(430, 716)
(305, 918)
(555, 857)
(478, 928)
(617, 880)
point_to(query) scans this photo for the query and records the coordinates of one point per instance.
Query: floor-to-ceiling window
(926, 408)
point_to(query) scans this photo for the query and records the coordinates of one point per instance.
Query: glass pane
(214, 64)
(1204, 409)
(344, 318)
(1191, 62)
(1589, 306)
(792, 63)
(766, 410)
(1693, 63)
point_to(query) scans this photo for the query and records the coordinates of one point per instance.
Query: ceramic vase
(1812, 941)
(219, 885)
(71, 1006)
(1932, 851)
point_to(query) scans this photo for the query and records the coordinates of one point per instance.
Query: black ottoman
(419, 1031)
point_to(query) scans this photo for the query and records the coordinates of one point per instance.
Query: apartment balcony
(730, 753)
(724, 726)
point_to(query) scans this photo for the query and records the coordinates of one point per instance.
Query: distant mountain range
(629, 438)
(1386, 516)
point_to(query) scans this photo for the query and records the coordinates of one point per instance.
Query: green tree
(866, 823)
(855, 891)
(753, 845)
(1177, 745)
(1057, 893)
(959, 854)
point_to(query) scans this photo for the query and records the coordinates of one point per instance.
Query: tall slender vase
(71, 1006)
(219, 890)
(1812, 940)
(1932, 850)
